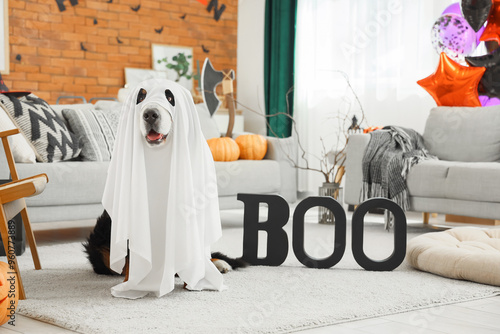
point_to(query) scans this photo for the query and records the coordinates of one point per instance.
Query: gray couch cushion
(72, 182)
(428, 178)
(83, 182)
(248, 176)
(464, 134)
(469, 181)
(474, 182)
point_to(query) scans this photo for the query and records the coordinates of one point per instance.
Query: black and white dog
(155, 126)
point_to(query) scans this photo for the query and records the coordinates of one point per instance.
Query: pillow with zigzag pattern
(46, 131)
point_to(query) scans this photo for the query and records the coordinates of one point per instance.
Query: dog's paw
(222, 265)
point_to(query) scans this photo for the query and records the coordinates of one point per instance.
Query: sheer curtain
(382, 46)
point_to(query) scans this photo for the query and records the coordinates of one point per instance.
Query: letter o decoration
(398, 255)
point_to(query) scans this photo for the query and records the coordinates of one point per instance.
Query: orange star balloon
(453, 84)
(492, 30)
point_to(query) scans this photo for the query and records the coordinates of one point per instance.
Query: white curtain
(383, 47)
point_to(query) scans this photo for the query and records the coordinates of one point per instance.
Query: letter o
(399, 253)
(298, 232)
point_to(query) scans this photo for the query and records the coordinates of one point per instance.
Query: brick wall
(49, 42)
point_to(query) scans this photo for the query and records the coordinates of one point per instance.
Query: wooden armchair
(12, 202)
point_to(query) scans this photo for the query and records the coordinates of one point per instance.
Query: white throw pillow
(21, 149)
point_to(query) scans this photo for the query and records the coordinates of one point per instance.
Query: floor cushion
(466, 253)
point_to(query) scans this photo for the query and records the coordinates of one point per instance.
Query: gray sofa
(464, 180)
(75, 188)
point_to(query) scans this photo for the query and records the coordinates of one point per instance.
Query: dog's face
(156, 120)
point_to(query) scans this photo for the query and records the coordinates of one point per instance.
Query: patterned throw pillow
(42, 127)
(96, 129)
(21, 148)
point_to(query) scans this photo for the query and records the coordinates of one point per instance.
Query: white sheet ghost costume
(163, 201)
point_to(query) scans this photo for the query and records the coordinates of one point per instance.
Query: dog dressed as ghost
(161, 194)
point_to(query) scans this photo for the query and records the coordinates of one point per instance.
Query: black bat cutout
(95, 21)
(136, 9)
(18, 57)
(82, 47)
(183, 16)
(118, 40)
(205, 49)
(159, 31)
(109, 1)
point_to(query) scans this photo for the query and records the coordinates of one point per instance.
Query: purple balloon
(488, 101)
(454, 8)
(478, 35)
(453, 35)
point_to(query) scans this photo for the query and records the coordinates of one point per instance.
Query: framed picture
(4, 37)
(177, 61)
(135, 75)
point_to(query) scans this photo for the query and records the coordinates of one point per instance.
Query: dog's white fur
(222, 265)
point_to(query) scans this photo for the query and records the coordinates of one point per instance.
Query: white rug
(259, 299)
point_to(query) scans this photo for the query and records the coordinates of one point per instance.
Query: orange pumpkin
(252, 147)
(9, 292)
(224, 149)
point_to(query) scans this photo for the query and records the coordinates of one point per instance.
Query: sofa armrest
(356, 147)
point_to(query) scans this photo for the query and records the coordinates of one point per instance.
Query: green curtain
(278, 64)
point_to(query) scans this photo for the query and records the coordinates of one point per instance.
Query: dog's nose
(151, 115)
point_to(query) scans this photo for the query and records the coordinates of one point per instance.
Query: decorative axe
(210, 79)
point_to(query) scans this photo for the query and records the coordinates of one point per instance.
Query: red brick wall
(53, 64)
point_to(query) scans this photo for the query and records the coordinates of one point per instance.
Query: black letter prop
(398, 255)
(277, 240)
(298, 232)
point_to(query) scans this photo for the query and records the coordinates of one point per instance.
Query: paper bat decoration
(62, 7)
(136, 9)
(214, 4)
(183, 16)
(205, 49)
(159, 31)
(82, 47)
(118, 40)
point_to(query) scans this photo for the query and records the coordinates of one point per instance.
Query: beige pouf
(462, 253)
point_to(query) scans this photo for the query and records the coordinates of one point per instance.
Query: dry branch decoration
(332, 159)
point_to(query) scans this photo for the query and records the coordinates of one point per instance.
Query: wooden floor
(478, 317)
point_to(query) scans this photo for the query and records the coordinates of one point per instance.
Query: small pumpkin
(252, 147)
(224, 149)
(9, 292)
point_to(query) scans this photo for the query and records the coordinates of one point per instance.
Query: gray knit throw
(388, 158)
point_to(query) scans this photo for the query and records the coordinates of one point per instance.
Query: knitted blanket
(388, 158)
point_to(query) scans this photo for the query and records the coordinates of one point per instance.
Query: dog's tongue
(153, 135)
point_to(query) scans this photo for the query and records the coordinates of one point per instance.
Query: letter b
(277, 239)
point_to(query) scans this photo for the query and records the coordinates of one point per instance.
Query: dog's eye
(170, 97)
(141, 96)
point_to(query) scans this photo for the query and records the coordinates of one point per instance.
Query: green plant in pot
(180, 65)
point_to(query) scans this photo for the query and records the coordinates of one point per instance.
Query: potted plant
(180, 65)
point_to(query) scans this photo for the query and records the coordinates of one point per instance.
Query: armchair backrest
(8, 152)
